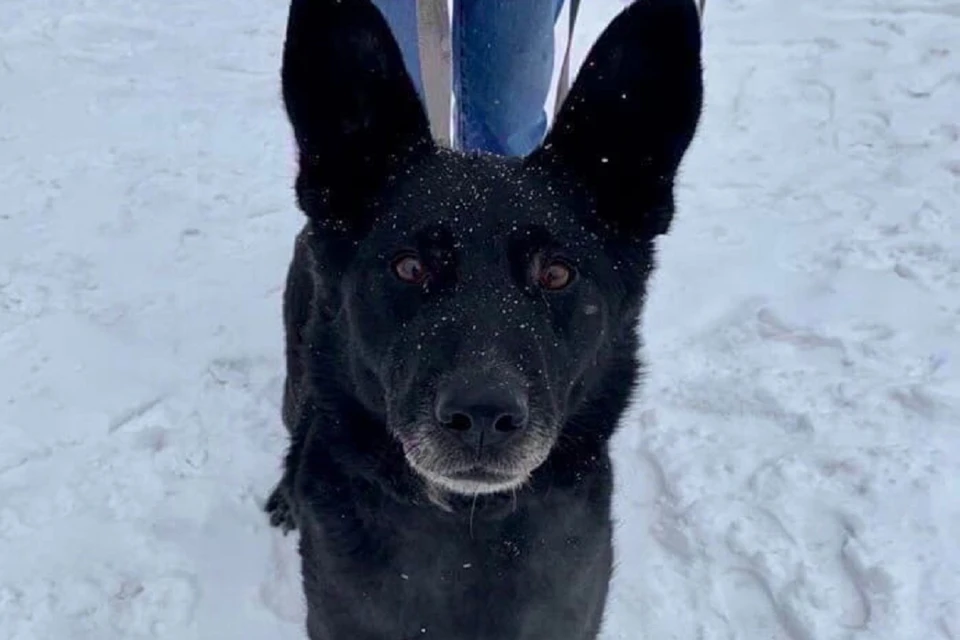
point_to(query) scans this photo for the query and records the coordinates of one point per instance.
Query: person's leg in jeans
(503, 54)
(401, 15)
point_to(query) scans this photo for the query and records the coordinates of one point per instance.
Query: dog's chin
(474, 482)
(470, 482)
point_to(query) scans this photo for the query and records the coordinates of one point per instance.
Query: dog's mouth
(480, 474)
(452, 471)
(457, 461)
(476, 480)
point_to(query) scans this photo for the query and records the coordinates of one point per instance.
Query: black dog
(461, 332)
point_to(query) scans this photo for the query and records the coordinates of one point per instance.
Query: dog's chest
(525, 577)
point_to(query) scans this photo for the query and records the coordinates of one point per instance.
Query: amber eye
(555, 275)
(410, 269)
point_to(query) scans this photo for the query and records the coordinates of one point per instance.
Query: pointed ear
(631, 114)
(354, 109)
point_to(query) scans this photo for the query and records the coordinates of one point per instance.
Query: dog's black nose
(482, 414)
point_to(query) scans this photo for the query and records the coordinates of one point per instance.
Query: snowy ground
(793, 471)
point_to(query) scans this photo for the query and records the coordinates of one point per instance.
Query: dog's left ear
(631, 114)
(354, 109)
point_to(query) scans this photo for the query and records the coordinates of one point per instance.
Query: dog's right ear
(631, 114)
(354, 109)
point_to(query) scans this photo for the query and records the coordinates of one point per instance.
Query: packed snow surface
(791, 471)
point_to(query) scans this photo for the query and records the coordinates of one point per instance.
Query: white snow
(793, 469)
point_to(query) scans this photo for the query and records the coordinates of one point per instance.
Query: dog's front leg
(281, 505)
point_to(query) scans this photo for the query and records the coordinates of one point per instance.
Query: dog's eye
(555, 275)
(410, 269)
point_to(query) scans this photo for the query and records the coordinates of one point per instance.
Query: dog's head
(482, 304)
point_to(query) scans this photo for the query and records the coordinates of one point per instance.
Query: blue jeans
(502, 67)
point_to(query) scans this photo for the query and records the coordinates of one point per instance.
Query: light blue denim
(503, 55)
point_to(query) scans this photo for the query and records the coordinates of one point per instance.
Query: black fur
(394, 545)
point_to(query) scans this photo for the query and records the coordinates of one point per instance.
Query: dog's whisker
(473, 510)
